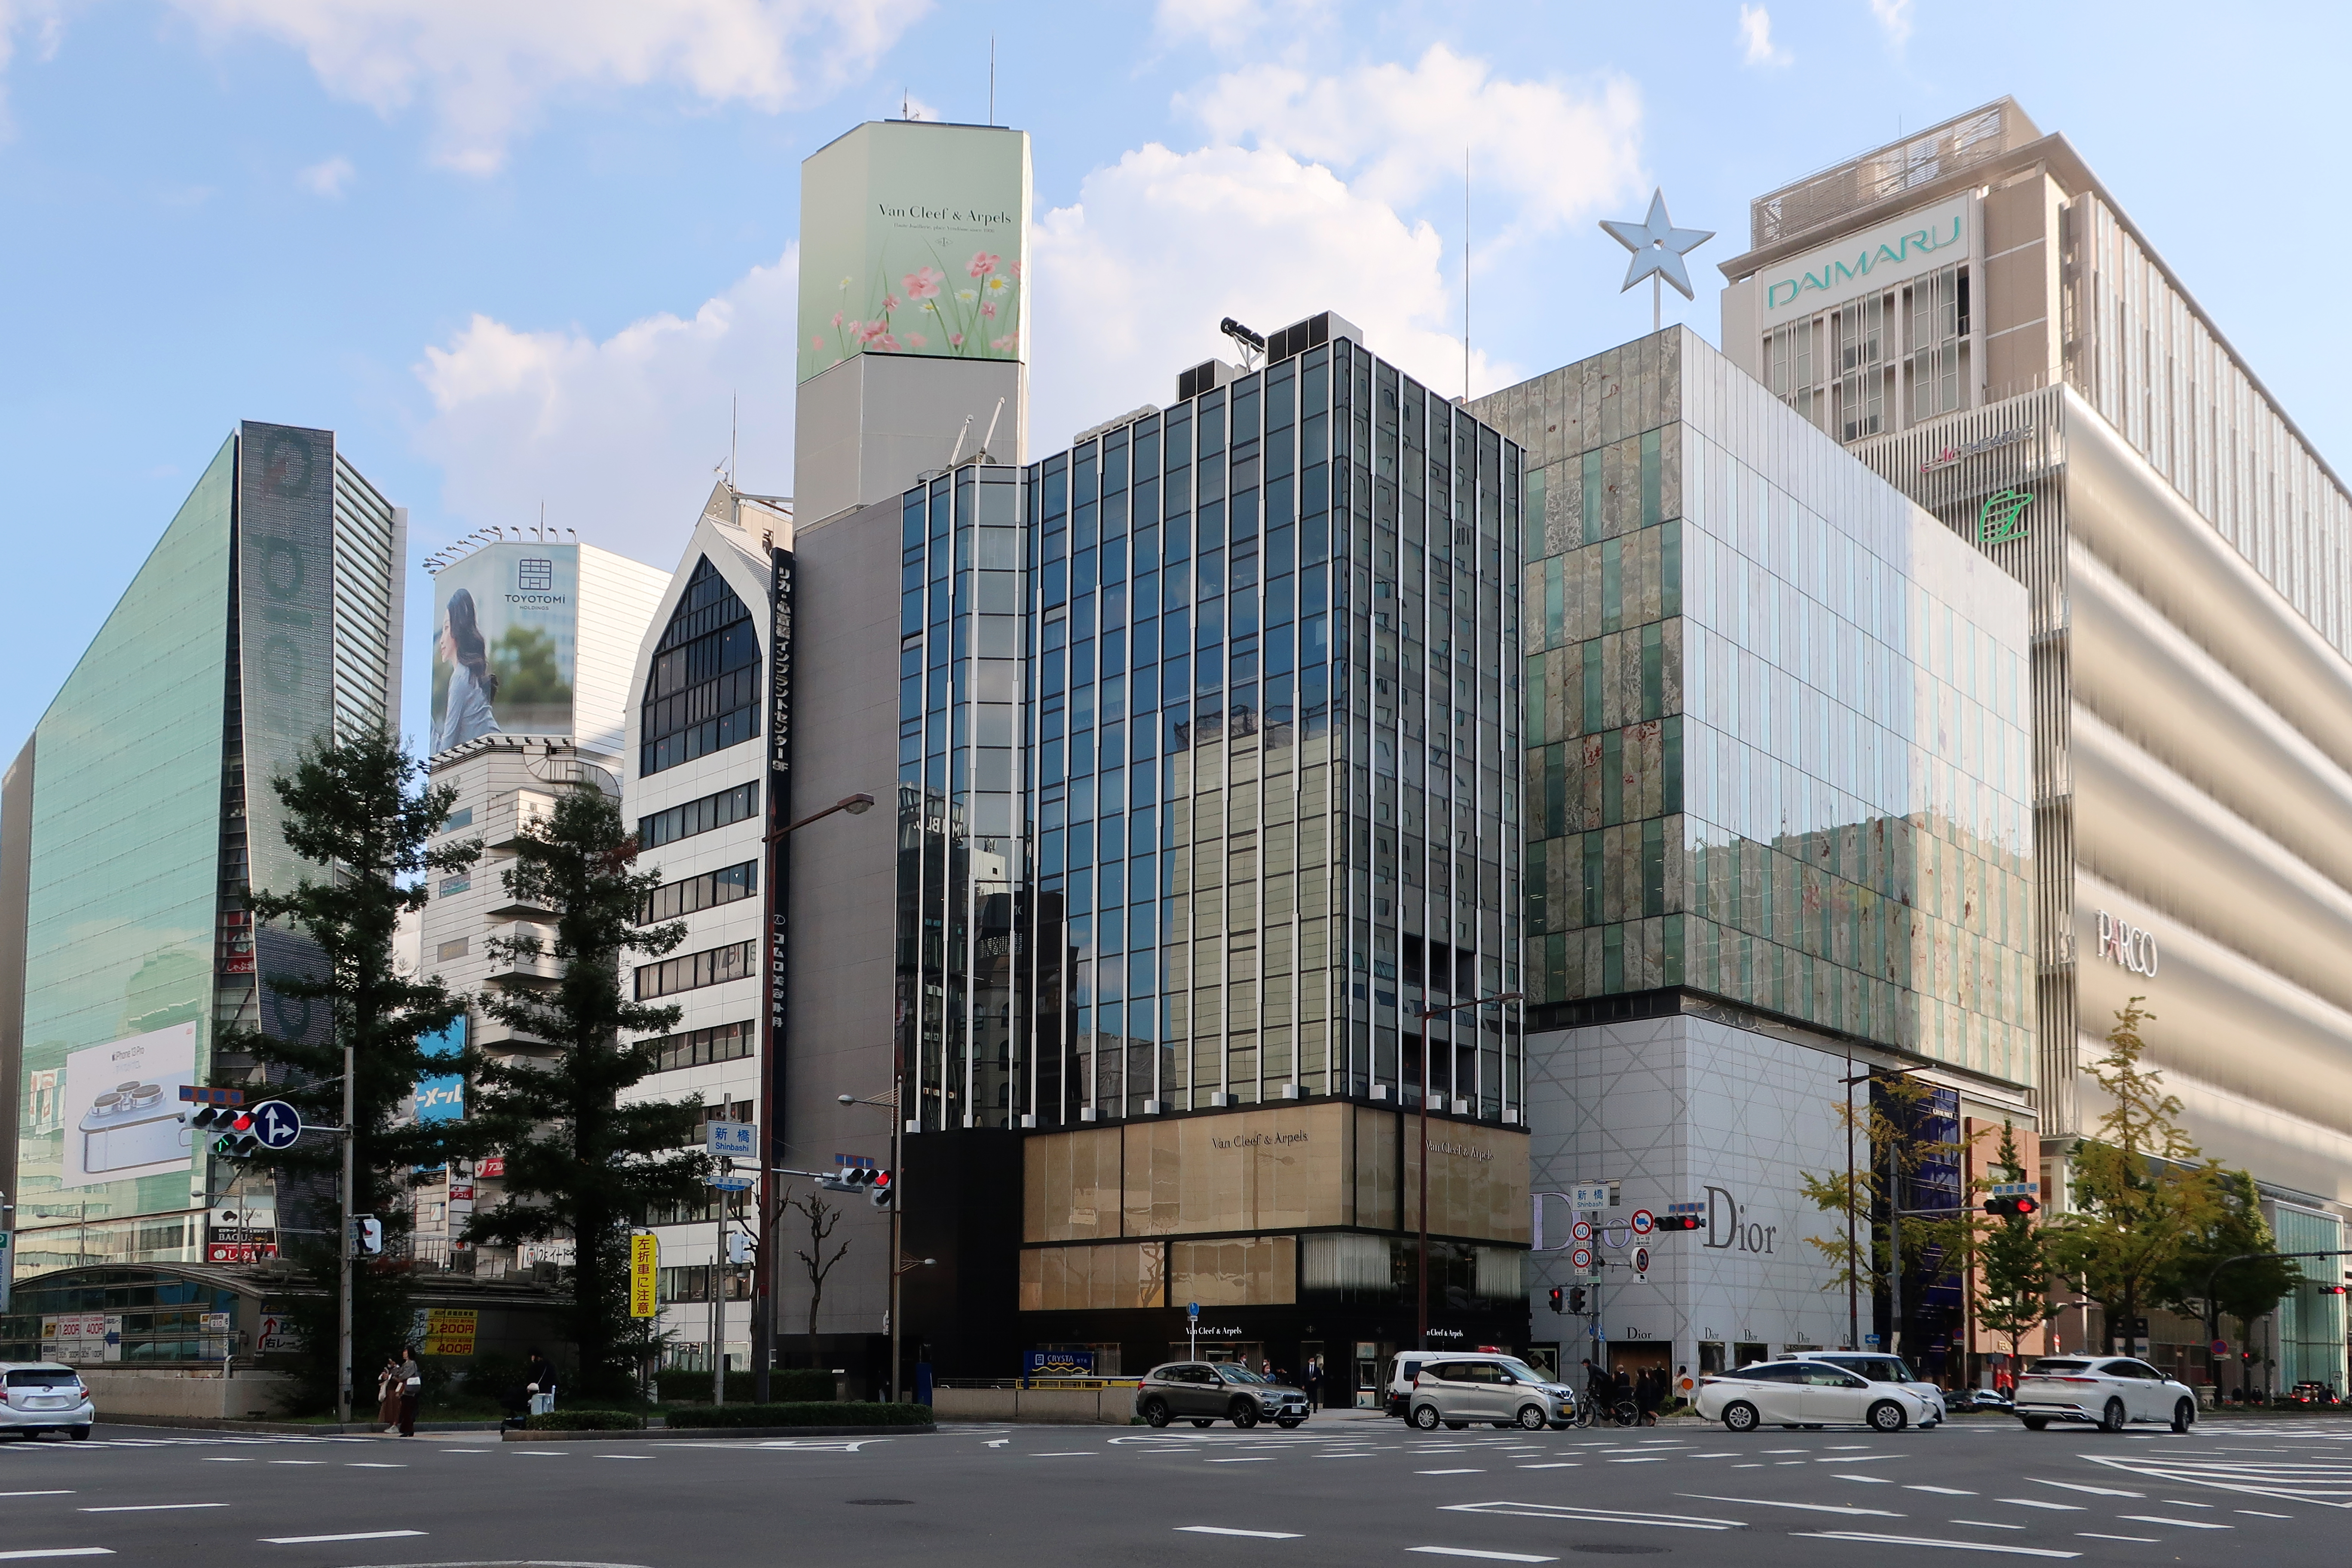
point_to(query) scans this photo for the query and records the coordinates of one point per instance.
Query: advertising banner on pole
(644, 1274)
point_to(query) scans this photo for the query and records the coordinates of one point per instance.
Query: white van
(1405, 1366)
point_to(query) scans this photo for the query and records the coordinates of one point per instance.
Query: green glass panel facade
(2310, 1325)
(125, 857)
(1770, 754)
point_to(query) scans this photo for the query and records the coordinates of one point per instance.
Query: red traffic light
(243, 1122)
(1677, 1222)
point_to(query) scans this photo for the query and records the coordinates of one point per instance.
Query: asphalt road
(1345, 1490)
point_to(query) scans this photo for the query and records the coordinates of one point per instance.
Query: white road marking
(147, 1506)
(2258, 1513)
(384, 1465)
(1555, 1465)
(2094, 1535)
(1808, 1507)
(1254, 1534)
(2037, 1502)
(1064, 1454)
(1252, 1459)
(1947, 1491)
(1869, 1480)
(996, 1442)
(1565, 1512)
(224, 1459)
(68, 1491)
(620, 1456)
(58, 1551)
(2178, 1502)
(1930, 1541)
(1469, 1472)
(2079, 1487)
(1489, 1556)
(354, 1535)
(2182, 1523)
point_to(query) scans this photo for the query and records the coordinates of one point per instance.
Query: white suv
(42, 1396)
(2109, 1391)
(1406, 1365)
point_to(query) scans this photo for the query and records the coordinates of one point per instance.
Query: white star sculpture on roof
(1658, 247)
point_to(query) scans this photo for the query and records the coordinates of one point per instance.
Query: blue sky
(517, 252)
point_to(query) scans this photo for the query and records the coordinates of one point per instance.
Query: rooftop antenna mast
(991, 79)
(1466, 275)
(732, 399)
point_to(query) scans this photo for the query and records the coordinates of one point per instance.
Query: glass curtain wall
(1276, 687)
(1776, 754)
(960, 844)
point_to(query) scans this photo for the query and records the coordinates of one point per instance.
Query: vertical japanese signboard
(644, 1274)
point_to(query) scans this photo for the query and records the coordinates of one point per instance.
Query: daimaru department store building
(1973, 314)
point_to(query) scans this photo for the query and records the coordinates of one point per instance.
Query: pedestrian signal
(1556, 1294)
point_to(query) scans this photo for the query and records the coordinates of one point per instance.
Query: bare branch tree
(822, 1217)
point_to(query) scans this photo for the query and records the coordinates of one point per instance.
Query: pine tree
(360, 810)
(2140, 1190)
(578, 1163)
(2013, 1268)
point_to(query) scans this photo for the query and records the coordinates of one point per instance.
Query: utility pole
(343, 1303)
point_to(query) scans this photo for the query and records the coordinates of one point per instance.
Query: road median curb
(512, 1434)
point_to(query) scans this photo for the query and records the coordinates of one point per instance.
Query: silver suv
(1204, 1391)
(1500, 1389)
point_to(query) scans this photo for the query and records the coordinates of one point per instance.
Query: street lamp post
(1426, 1013)
(772, 957)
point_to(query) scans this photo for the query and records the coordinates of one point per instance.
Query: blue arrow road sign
(277, 1124)
(1192, 1309)
(731, 1183)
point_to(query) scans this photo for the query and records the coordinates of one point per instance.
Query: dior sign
(1726, 1231)
(2131, 947)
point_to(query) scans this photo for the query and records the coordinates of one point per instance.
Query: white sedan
(2109, 1392)
(1807, 1394)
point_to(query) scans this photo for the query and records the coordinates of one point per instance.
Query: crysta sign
(1847, 268)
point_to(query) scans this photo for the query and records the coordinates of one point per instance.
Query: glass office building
(1208, 743)
(1779, 834)
(139, 816)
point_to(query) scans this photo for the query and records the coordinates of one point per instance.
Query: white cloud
(44, 22)
(619, 436)
(1227, 27)
(485, 66)
(1399, 132)
(328, 177)
(1894, 19)
(1133, 278)
(1756, 34)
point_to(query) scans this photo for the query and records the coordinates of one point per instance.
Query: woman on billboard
(466, 707)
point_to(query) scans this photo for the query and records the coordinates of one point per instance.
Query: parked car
(1879, 1367)
(2109, 1392)
(1992, 1399)
(1807, 1392)
(1204, 1391)
(1406, 1365)
(1501, 1389)
(42, 1396)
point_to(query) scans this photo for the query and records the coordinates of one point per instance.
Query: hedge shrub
(785, 1385)
(801, 1413)
(585, 1421)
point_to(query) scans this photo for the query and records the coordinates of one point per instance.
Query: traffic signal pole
(344, 1250)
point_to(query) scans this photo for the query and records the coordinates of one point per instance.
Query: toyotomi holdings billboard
(505, 640)
(914, 240)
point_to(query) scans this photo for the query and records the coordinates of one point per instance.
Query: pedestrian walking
(387, 1395)
(1314, 1383)
(1646, 1390)
(412, 1389)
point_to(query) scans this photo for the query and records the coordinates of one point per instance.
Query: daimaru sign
(1847, 268)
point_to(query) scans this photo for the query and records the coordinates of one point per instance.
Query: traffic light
(882, 1192)
(367, 1236)
(1677, 1222)
(738, 1246)
(1556, 1294)
(2334, 1289)
(2013, 1200)
(2247, 1355)
(1575, 1298)
(237, 1141)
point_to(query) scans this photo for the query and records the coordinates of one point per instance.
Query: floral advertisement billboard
(914, 241)
(505, 641)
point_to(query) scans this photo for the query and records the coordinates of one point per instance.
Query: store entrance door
(1371, 1356)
